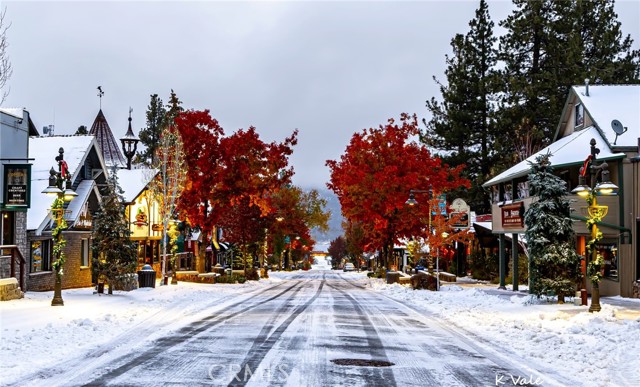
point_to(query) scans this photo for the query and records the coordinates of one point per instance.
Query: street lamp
(413, 202)
(596, 214)
(129, 143)
(59, 185)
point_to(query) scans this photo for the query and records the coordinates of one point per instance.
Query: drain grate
(362, 362)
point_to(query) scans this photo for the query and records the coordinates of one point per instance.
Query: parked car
(348, 267)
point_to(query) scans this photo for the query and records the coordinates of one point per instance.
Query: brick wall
(74, 276)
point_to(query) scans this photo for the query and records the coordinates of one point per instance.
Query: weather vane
(100, 94)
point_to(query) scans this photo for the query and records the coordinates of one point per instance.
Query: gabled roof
(134, 181)
(570, 150)
(606, 103)
(110, 149)
(44, 150)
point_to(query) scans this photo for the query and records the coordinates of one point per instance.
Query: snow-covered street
(295, 329)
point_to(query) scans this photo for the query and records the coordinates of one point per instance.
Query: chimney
(586, 87)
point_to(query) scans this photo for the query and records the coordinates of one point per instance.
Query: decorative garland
(593, 268)
(60, 242)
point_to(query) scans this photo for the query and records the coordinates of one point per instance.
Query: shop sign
(513, 215)
(16, 185)
(461, 213)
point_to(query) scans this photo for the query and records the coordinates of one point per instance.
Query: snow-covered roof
(606, 103)
(84, 190)
(44, 150)
(16, 112)
(489, 227)
(108, 145)
(134, 181)
(570, 150)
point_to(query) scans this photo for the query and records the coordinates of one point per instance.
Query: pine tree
(150, 136)
(554, 264)
(82, 129)
(115, 255)
(550, 46)
(462, 124)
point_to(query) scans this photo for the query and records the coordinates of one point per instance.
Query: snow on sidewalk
(600, 349)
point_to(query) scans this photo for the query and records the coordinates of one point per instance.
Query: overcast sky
(327, 68)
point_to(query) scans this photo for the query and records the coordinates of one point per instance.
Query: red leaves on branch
(201, 143)
(373, 178)
(229, 179)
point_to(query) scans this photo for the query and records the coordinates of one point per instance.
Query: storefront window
(609, 252)
(40, 256)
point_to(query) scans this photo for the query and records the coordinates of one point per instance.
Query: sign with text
(460, 213)
(513, 215)
(16, 185)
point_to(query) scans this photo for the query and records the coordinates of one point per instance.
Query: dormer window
(579, 115)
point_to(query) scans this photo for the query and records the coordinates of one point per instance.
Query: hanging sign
(16, 185)
(460, 212)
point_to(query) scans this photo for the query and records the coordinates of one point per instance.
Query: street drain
(362, 363)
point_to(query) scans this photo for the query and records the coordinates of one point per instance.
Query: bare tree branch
(5, 64)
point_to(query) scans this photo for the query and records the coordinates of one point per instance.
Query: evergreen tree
(82, 129)
(174, 107)
(150, 136)
(554, 264)
(115, 254)
(462, 124)
(550, 46)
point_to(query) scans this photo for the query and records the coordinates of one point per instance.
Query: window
(579, 115)
(84, 252)
(40, 255)
(609, 252)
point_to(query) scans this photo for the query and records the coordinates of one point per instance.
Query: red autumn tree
(373, 177)
(295, 213)
(201, 145)
(253, 171)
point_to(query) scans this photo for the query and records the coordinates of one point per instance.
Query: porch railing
(13, 254)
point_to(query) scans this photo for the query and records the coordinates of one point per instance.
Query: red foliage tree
(201, 136)
(373, 177)
(252, 172)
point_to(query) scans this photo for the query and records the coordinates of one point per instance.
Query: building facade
(608, 116)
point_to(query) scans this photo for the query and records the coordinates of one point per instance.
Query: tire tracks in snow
(510, 363)
(379, 376)
(265, 342)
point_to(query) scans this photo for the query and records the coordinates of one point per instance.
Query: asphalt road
(318, 328)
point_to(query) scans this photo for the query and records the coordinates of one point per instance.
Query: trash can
(393, 277)
(147, 277)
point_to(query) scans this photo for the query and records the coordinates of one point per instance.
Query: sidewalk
(628, 308)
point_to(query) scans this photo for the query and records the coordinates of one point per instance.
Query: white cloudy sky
(326, 68)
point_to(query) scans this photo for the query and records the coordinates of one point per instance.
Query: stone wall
(22, 243)
(636, 289)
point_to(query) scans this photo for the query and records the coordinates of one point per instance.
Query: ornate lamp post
(129, 143)
(596, 214)
(412, 202)
(59, 185)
